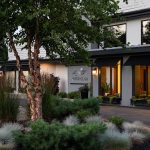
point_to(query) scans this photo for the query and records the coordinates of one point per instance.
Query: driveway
(129, 114)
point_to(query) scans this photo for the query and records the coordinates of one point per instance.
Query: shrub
(57, 108)
(6, 135)
(136, 126)
(57, 136)
(91, 104)
(74, 95)
(100, 98)
(62, 94)
(113, 139)
(82, 114)
(50, 84)
(118, 121)
(148, 102)
(71, 120)
(91, 119)
(9, 107)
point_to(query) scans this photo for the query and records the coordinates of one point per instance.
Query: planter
(139, 102)
(116, 100)
(106, 100)
(84, 94)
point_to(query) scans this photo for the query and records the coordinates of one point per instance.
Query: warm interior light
(119, 75)
(94, 71)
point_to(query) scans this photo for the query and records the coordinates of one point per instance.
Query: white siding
(134, 5)
(95, 85)
(24, 53)
(62, 73)
(134, 32)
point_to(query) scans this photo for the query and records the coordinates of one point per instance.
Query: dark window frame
(133, 80)
(98, 46)
(125, 31)
(142, 33)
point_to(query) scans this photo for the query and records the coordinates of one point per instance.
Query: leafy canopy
(64, 26)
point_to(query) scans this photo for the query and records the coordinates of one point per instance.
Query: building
(126, 71)
(115, 70)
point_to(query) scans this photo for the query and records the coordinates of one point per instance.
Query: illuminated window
(142, 80)
(110, 80)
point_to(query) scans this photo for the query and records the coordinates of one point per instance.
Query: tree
(61, 27)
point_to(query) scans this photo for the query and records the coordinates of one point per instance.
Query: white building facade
(115, 70)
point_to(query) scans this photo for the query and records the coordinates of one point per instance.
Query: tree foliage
(62, 27)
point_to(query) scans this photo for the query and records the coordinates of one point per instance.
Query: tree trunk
(23, 78)
(37, 77)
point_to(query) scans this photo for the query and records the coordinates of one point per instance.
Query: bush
(57, 136)
(114, 140)
(9, 107)
(74, 95)
(50, 84)
(62, 94)
(82, 114)
(92, 104)
(100, 98)
(57, 108)
(118, 121)
(6, 135)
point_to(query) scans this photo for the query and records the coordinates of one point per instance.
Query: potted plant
(138, 101)
(84, 91)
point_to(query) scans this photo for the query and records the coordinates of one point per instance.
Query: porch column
(17, 82)
(126, 84)
(95, 83)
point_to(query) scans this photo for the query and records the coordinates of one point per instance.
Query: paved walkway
(129, 114)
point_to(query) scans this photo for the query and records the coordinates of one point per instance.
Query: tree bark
(37, 74)
(23, 78)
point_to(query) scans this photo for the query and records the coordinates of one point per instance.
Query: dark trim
(142, 30)
(78, 83)
(119, 51)
(147, 80)
(99, 81)
(133, 80)
(111, 88)
(135, 14)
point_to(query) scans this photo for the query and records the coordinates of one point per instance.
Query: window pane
(148, 80)
(146, 32)
(118, 32)
(105, 80)
(10, 76)
(140, 80)
(110, 80)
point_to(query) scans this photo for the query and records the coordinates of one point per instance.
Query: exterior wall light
(94, 71)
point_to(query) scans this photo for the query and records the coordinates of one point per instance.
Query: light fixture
(94, 71)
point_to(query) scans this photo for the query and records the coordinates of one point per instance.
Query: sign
(79, 74)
